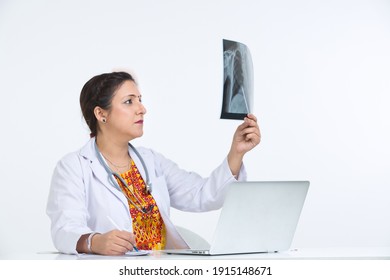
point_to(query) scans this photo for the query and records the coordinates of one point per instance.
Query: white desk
(347, 253)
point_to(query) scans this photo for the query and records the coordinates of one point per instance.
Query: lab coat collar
(89, 153)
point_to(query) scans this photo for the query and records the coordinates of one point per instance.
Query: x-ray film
(237, 81)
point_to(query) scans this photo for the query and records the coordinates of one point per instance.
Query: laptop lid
(259, 217)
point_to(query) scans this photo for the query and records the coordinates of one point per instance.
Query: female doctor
(109, 198)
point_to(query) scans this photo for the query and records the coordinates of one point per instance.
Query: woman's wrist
(235, 162)
(89, 242)
(85, 243)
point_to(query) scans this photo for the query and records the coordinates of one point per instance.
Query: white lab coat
(81, 196)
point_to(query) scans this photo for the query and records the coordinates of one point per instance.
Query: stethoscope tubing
(112, 174)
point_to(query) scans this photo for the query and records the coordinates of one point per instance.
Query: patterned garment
(149, 228)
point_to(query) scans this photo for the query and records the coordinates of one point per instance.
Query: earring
(103, 120)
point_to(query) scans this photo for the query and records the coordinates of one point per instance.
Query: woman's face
(125, 118)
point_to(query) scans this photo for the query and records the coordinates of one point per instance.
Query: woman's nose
(141, 109)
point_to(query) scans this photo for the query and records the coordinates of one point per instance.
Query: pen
(117, 227)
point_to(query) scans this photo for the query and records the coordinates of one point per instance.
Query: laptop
(256, 217)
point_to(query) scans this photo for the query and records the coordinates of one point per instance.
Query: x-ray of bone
(237, 81)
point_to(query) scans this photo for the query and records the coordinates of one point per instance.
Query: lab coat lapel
(89, 152)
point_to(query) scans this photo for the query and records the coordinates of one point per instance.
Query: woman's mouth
(139, 122)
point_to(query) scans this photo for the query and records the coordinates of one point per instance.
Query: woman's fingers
(115, 242)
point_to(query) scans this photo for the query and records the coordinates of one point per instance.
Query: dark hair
(99, 91)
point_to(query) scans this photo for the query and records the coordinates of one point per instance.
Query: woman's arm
(246, 137)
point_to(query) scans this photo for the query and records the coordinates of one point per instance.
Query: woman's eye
(131, 100)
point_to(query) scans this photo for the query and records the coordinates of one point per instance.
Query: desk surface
(352, 253)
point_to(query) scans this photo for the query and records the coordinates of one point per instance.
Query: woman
(93, 211)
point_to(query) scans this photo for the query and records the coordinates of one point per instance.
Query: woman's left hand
(246, 137)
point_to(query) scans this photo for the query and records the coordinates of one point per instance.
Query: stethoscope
(114, 183)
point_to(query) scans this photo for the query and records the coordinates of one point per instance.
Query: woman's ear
(100, 114)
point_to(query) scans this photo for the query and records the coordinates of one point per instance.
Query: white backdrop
(322, 85)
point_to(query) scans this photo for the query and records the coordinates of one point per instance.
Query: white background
(322, 85)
